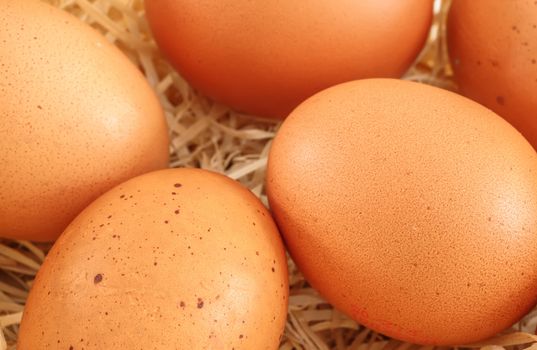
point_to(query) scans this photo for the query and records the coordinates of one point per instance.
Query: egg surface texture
(493, 50)
(265, 57)
(76, 119)
(174, 259)
(410, 208)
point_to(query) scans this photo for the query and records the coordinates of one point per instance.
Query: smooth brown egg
(76, 119)
(265, 57)
(493, 50)
(174, 259)
(410, 208)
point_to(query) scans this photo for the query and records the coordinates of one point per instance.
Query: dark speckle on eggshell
(98, 278)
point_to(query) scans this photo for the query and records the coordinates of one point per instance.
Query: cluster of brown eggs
(375, 184)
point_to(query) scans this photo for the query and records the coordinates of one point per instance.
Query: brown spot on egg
(98, 278)
(200, 303)
(177, 185)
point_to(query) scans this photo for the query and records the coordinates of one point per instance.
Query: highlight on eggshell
(409, 208)
(76, 118)
(173, 259)
(265, 57)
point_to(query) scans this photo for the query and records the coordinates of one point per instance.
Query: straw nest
(210, 136)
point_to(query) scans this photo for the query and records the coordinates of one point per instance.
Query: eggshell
(410, 208)
(174, 259)
(265, 57)
(493, 50)
(76, 119)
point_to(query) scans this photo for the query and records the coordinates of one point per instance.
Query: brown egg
(174, 259)
(410, 208)
(76, 118)
(493, 50)
(265, 57)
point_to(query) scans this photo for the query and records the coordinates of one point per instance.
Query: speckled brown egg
(76, 119)
(265, 57)
(410, 208)
(493, 50)
(174, 259)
